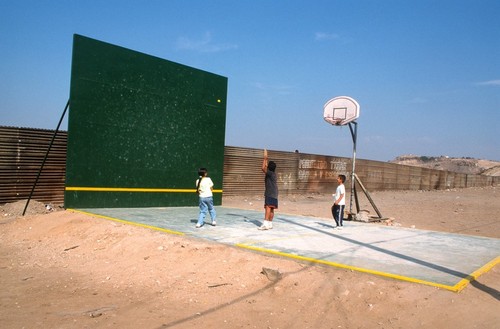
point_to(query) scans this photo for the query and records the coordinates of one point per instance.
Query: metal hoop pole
(354, 134)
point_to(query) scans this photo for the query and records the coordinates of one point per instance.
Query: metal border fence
(22, 151)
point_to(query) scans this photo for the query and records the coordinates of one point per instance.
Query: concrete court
(445, 260)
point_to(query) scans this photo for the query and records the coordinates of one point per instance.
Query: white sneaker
(267, 225)
(214, 223)
(198, 225)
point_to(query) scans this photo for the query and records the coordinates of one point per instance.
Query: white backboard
(340, 110)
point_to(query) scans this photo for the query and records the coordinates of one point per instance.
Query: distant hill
(459, 165)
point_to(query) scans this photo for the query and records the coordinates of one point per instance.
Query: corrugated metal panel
(243, 174)
(460, 180)
(242, 171)
(318, 173)
(434, 180)
(378, 176)
(372, 173)
(390, 178)
(425, 179)
(480, 180)
(22, 151)
(415, 178)
(403, 178)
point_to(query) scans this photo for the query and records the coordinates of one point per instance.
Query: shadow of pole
(490, 291)
(234, 301)
(471, 279)
(385, 251)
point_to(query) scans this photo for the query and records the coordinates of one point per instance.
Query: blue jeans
(206, 205)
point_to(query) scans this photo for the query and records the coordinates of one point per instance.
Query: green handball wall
(139, 128)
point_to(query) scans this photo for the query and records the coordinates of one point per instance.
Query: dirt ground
(60, 269)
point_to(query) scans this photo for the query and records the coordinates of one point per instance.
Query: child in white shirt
(204, 187)
(339, 202)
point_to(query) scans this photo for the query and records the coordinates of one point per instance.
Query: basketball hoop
(341, 110)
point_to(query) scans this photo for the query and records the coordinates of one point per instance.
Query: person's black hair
(201, 173)
(271, 166)
(342, 178)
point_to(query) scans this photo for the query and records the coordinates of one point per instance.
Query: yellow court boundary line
(128, 189)
(129, 222)
(456, 288)
(474, 275)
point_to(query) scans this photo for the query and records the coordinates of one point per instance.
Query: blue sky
(426, 73)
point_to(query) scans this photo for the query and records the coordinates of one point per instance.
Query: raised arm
(264, 162)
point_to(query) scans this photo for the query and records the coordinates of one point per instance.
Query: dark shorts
(271, 202)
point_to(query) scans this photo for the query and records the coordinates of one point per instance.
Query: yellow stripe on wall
(126, 189)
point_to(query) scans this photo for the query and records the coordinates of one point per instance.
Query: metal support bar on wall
(46, 156)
